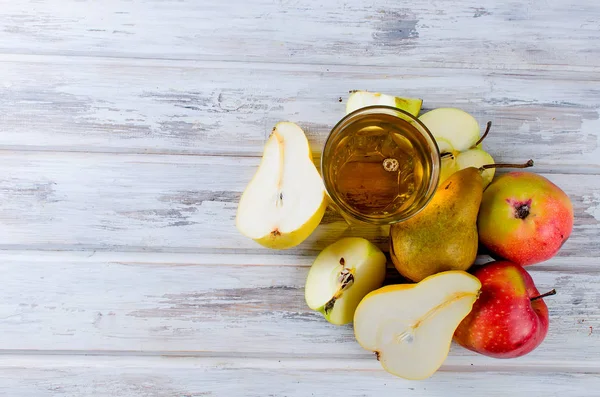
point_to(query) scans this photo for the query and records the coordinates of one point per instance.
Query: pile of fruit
(519, 218)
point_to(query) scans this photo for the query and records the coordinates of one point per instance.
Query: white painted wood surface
(128, 130)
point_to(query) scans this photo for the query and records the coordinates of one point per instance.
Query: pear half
(341, 275)
(361, 99)
(286, 199)
(410, 326)
(457, 133)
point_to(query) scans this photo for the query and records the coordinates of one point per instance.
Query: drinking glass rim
(433, 182)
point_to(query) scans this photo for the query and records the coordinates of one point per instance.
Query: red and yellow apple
(524, 218)
(510, 318)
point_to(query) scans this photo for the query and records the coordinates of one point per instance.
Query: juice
(380, 167)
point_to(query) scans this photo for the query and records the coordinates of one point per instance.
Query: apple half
(410, 326)
(286, 199)
(341, 275)
(360, 99)
(457, 135)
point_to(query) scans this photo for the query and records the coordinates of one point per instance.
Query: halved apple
(341, 275)
(457, 135)
(286, 199)
(410, 326)
(361, 99)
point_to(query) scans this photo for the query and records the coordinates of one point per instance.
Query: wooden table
(129, 129)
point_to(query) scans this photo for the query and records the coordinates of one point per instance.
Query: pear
(361, 99)
(454, 126)
(410, 326)
(286, 199)
(443, 236)
(457, 134)
(341, 275)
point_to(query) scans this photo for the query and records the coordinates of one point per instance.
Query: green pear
(443, 236)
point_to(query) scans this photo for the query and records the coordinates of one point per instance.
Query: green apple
(457, 135)
(341, 275)
(361, 99)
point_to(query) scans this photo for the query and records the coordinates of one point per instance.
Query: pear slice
(444, 145)
(453, 125)
(477, 157)
(361, 99)
(410, 326)
(341, 275)
(457, 132)
(286, 199)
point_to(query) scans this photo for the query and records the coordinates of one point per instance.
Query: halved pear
(286, 199)
(341, 275)
(457, 133)
(410, 326)
(361, 99)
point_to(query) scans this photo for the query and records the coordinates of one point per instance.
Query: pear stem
(487, 130)
(444, 155)
(526, 165)
(549, 293)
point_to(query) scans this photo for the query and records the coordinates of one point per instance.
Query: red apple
(524, 218)
(509, 319)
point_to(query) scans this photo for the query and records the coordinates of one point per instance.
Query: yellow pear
(410, 326)
(286, 199)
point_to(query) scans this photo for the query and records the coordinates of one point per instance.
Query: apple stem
(444, 155)
(549, 293)
(526, 165)
(487, 130)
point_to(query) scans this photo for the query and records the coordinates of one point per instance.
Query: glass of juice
(380, 165)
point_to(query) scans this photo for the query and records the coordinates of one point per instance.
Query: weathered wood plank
(81, 104)
(171, 276)
(466, 34)
(177, 203)
(45, 376)
(63, 302)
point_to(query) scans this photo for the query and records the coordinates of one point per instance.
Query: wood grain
(104, 304)
(178, 203)
(177, 107)
(129, 129)
(45, 376)
(465, 34)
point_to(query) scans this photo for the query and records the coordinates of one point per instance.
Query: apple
(524, 218)
(409, 327)
(286, 199)
(510, 318)
(456, 133)
(360, 99)
(341, 275)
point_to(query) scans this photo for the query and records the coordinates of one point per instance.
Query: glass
(380, 165)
